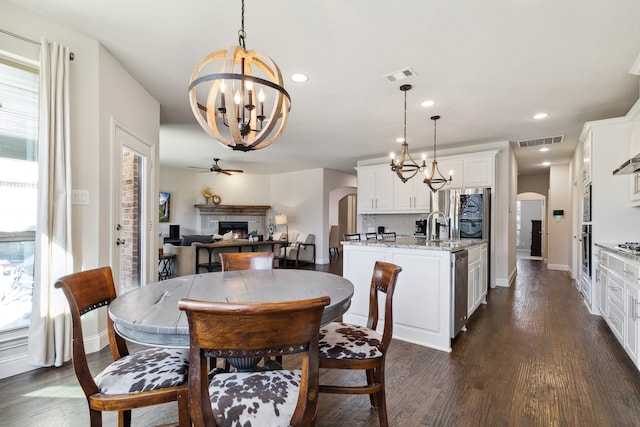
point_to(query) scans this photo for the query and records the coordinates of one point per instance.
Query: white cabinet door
(403, 194)
(477, 286)
(479, 172)
(411, 196)
(375, 189)
(384, 188)
(632, 296)
(453, 167)
(366, 190)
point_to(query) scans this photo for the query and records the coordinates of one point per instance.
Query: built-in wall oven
(586, 250)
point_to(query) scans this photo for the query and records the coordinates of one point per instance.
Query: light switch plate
(80, 197)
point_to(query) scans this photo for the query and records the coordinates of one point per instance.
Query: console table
(239, 244)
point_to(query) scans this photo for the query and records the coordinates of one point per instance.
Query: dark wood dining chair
(351, 236)
(149, 377)
(254, 330)
(371, 236)
(346, 346)
(246, 261)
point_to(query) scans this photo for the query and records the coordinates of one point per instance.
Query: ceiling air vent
(405, 73)
(541, 141)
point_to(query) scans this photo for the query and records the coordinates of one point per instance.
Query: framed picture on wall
(165, 207)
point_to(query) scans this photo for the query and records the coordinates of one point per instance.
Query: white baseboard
(507, 282)
(18, 362)
(560, 267)
(10, 366)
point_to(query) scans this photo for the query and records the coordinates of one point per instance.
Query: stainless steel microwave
(586, 204)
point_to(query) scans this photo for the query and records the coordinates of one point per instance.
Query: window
(18, 191)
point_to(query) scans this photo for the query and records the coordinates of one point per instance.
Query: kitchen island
(423, 300)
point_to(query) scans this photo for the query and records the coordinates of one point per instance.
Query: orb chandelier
(404, 166)
(433, 177)
(228, 91)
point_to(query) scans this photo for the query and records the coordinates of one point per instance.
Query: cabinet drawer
(615, 292)
(631, 272)
(615, 320)
(615, 264)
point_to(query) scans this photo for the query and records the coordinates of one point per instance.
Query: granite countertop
(413, 242)
(613, 247)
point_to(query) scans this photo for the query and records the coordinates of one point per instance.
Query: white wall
(185, 186)
(300, 195)
(559, 230)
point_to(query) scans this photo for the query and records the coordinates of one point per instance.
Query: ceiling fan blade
(224, 171)
(235, 170)
(198, 167)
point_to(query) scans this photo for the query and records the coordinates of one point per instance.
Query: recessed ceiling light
(540, 116)
(428, 103)
(546, 163)
(543, 149)
(299, 77)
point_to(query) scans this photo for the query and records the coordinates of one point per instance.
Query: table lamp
(281, 219)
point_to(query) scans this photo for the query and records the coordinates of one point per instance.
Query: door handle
(120, 242)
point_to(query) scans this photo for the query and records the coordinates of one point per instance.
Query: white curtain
(50, 330)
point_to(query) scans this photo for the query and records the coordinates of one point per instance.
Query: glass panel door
(132, 216)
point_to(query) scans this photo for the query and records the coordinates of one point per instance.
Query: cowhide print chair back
(254, 330)
(149, 377)
(346, 346)
(231, 261)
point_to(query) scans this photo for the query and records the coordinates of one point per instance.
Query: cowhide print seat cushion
(148, 369)
(345, 341)
(257, 399)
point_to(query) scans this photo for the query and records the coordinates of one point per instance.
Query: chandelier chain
(405, 118)
(242, 35)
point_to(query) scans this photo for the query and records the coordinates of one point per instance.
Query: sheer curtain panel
(50, 329)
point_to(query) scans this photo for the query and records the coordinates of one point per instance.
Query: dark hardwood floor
(533, 356)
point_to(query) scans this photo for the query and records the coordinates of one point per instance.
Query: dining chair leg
(184, 417)
(95, 418)
(370, 381)
(124, 418)
(381, 401)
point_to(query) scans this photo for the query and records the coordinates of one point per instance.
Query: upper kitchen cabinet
(473, 170)
(375, 189)
(453, 167)
(411, 196)
(586, 159)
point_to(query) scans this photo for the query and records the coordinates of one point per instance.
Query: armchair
(302, 248)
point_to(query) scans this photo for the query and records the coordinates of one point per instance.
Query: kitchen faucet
(434, 214)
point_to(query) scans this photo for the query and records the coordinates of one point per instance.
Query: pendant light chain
(242, 35)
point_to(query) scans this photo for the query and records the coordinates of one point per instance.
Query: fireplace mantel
(245, 210)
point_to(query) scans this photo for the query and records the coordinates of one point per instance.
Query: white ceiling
(490, 65)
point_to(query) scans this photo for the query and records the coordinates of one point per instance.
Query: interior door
(133, 202)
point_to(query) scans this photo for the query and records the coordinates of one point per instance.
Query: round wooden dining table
(149, 315)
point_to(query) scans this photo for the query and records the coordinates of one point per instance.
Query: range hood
(629, 167)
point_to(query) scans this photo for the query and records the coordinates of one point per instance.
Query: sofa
(301, 247)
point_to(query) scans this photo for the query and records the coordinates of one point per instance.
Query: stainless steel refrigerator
(467, 213)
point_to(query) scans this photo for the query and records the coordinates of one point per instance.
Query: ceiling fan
(215, 168)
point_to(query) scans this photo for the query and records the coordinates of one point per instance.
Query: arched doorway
(530, 226)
